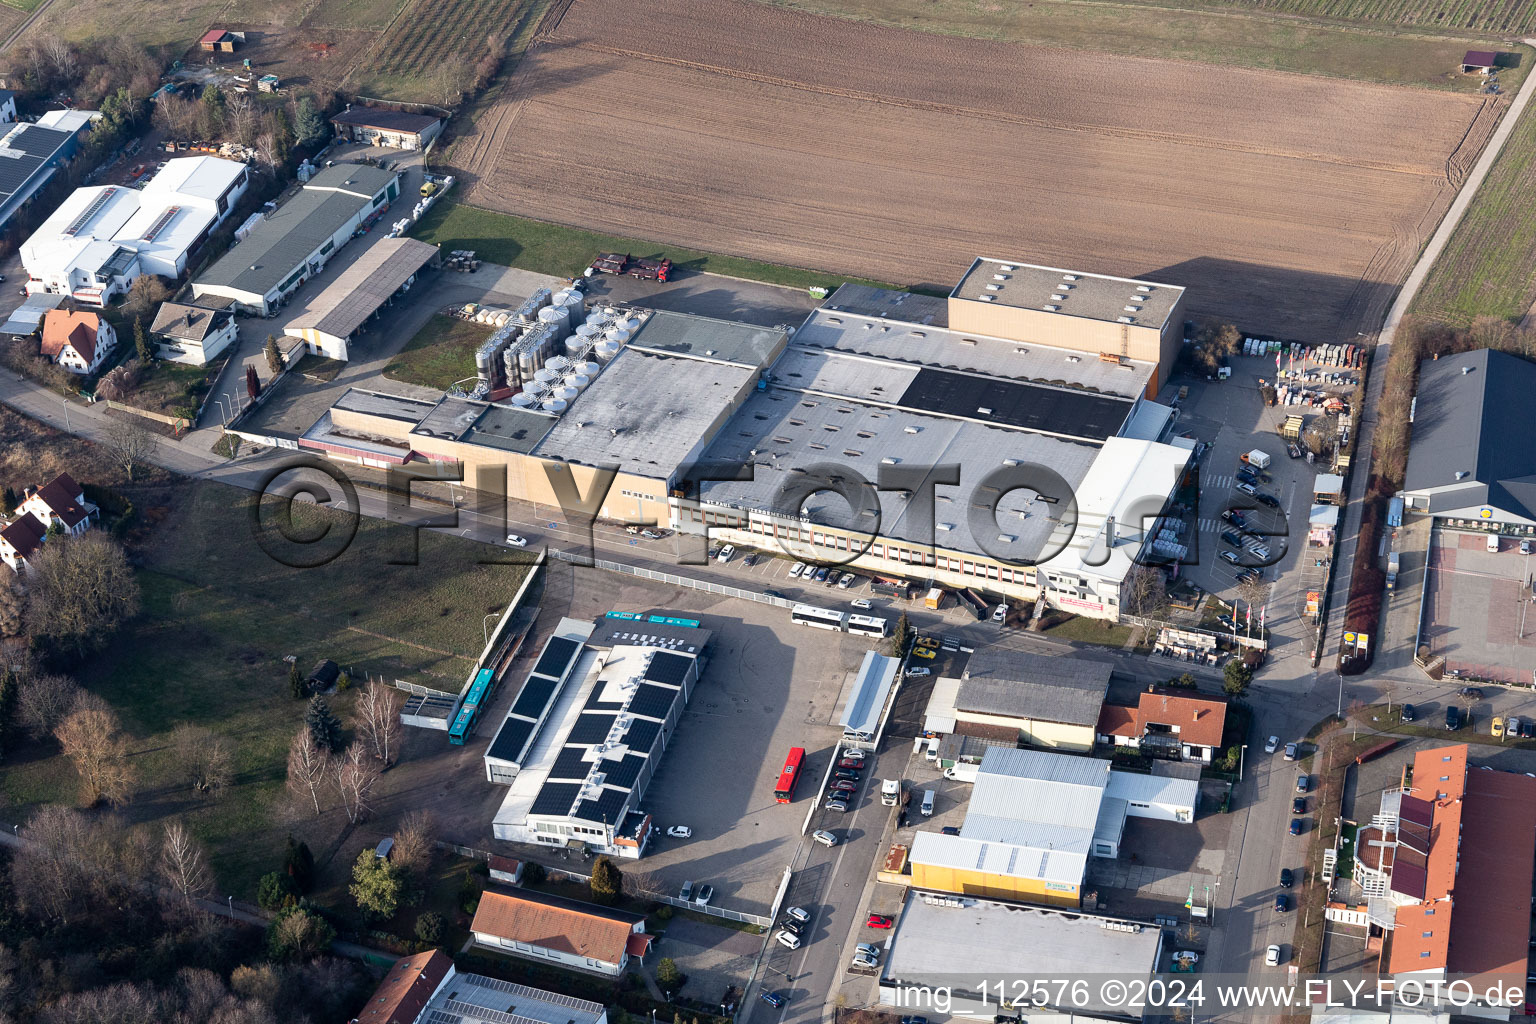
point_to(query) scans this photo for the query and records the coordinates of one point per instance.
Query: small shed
(1328, 489)
(217, 39)
(324, 675)
(384, 849)
(1480, 62)
(1323, 526)
(508, 870)
(268, 83)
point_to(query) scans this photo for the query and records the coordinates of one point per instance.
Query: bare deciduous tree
(378, 709)
(204, 756)
(80, 589)
(130, 442)
(353, 774)
(47, 873)
(308, 765)
(42, 702)
(414, 845)
(240, 117)
(60, 53)
(12, 605)
(183, 866)
(176, 116)
(1147, 592)
(93, 740)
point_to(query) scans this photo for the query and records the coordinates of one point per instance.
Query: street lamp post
(485, 628)
(1242, 755)
(231, 908)
(65, 403)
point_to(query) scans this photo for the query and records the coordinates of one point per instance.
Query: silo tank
(556, 405)
(578, 380)
(618, 335)
(523, 400)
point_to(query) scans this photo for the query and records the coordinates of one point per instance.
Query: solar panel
(557, 656)
(642, 735)
(166, 216)
(484, 1013)
(444, 1017)
(102, 199)
(535, 697)
(555, 798)
(511, 740)
(590, 728)
(667, 668)
(570, 765)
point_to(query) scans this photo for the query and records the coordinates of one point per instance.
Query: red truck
(651, 270)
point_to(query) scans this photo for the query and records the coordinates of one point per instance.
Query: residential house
(1182, 726)
(376, 126)
(188, 333)
(79, 342)
(428, 989)
(569, 933)
(61, 502)
(19, 539)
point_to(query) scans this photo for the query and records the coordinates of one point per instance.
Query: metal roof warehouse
(330, 318)
(295, 241)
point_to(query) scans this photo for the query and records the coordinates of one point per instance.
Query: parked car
(1293, 449)
(924, 652)
(1286, 878)
(919, 670)
(1527, 728)
(680, 832)
(704, 895)
(789, 939)
(1290, 751)
(850, 762)
(686, 892)
(517, 542)
(796, 569)
(861, 603)
(846, 581)
(878, 921)
(1496, 727)
(1272, 956)
(1234, 517)
(1299, 805)
(1303, 782)
(798, 914)
(949, 830)
(1272, 744)
(927, 641)
(1452, 717)
(1247, 476)
(846, 774)
(1250, 572)
(793, 927)
(837, 805)
(1525, 545)
(864, 963)
(1512, 727)
(869, 949)
(844, 786)
(1231, 537)
(1296, 826)
(1246, 488)
(774, 1000)
(825, 838)
(1268, 499)
(650, 535)
(914, 1020)
(1470, 693)
(750, 560)
(726, 553)
(1229, 557)
(821, 574)
(1410, 713)
(853, 754)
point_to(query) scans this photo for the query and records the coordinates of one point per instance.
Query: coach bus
(784, 792)
(821, 618)
(868, 625)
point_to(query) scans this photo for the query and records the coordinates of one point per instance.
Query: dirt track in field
(1288, 204)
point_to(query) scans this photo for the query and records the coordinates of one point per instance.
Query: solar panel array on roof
(595, 701)
(535, 696)
(605, 808)
(623, 772)
(557, 656)
(569, 764)
(653, 701)
(511, 739)
(642, 734)
(1016, 404)
(590, 728)
(668, 668)
(555, 798)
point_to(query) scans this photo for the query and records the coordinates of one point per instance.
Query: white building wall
(532, 952)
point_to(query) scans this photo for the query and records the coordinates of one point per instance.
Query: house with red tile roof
(19, 539)
(61, 502)
(570, 933)
(1182, 725)
(1446, 870)
(407, 989)
(428, 989)
(79, 342)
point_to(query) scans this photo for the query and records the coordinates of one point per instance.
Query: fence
(673, 579)
(176, 423)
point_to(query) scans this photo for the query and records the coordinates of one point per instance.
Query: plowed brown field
(1286, 203)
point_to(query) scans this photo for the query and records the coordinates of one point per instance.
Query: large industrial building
(295, 241)
(877, 435)
(945, 948)
(1034, 819)
(33, 153)
(1016, 697)
(102, 238)
(343, 308)
(583, 738)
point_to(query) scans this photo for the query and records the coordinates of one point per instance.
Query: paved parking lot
(1478, 614)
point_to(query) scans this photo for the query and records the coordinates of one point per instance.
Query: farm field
(1501, 16)
(1287, 204)
(434, 45)
(437, 356)
(219, 617)
(1488, 267)
(1253, 35)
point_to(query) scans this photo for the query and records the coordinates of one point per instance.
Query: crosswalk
(1219, 480)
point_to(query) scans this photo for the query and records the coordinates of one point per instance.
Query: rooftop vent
(1133, 309)
(1124, 320)
(1074, 359)
(890, 460)
(999, 277)
(968, 342)
(994, 287)
(919, 334)
(1461, 474)
(982, 410)
(1466, 370)
(834, 319)
(1010, 462)
(912, 430)
(1057, 298)
(1069, 277)
(1047, 307)
(1021, 351)
(946, 527)
(1006, 538)
(1143, 288)
(1065, 287)
(1008, 266)
(986, 298)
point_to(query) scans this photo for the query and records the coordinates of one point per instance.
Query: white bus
(821, 618)
(868, 625)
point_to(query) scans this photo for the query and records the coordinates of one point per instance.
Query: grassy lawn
(1488, 267)
(219, 617)
(1218, 34)
(566, 252)
(169, 387)
(442, 353)
(1085, 630)
(318, 367)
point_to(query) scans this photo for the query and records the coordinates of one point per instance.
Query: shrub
(276, 890)
(429, 927)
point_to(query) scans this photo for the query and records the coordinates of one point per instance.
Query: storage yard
(1293, 223)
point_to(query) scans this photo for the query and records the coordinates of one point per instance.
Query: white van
(789, 939)
(1493, 542)
(926, 810)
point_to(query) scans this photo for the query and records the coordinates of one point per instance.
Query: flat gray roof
(867, 699)
(781, 433)
(645, 413)
(510, 429)
(918, 344)
(940, 944)
(358, 292)
(1021, 685)
(702, 337)
(865, 300)
(377, 403)
(1090, 296)
(279, 243)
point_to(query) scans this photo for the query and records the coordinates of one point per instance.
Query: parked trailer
(651, 270)
(609, 263)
